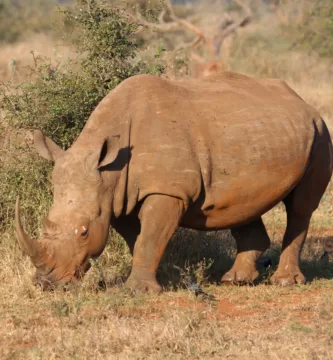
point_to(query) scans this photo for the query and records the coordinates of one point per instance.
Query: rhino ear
(45, 147)
(109, 151)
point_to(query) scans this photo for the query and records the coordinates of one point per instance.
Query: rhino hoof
(239, 277)
(287, 279)
(143, 286)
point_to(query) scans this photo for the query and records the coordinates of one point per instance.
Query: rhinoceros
(210, 154)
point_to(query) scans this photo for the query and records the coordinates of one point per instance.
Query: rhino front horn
(29, 246)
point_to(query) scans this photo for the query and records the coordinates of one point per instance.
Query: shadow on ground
(203, 257)
(207, 256)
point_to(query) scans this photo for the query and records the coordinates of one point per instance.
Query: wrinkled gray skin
(204, 154)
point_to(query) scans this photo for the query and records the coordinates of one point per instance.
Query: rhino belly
(232, 201)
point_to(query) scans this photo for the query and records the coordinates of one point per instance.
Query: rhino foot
(136, 284)
(239, 277)
(287, 278)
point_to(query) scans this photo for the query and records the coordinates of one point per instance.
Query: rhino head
(77, 226)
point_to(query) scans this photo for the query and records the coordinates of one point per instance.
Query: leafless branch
(163, 26)
(229, 27)
(213, 44)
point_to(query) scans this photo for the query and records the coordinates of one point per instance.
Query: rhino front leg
(160, 216)
(252, 240)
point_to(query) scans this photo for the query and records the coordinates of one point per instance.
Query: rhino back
(224, 142)
(219, 134)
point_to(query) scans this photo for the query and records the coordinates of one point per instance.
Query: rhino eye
(84, 231)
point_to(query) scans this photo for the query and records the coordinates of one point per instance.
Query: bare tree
(209, 44)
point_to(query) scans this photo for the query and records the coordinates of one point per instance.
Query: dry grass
(251, 322)
(260, 322)
(16, 58)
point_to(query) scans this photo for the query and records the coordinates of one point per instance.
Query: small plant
(61, 308)
(297, 326)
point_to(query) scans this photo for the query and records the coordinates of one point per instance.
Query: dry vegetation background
(99, 319)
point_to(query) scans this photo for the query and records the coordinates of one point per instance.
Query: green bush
(24, 173)
(60, 100)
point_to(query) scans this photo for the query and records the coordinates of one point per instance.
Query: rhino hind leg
(299, 211)
(300, 204)
(288, 272)
(252, 240)
(159, 216)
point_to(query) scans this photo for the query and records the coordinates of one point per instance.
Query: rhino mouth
(49, 281)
